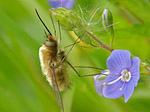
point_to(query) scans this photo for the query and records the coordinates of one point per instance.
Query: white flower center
(125, 77)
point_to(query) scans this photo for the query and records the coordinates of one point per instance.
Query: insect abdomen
(62, 78)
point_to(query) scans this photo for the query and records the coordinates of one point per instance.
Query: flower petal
(129, 88)
(135, 70)
(113, 91)
(119, 60)
(62, 3)
(99, 85)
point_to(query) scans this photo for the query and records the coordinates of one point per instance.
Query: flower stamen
(112, 82)
(123, 85)
(125, 77)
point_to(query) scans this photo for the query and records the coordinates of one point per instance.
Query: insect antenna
(42, 22)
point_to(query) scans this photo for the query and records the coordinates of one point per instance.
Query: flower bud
(107, 20)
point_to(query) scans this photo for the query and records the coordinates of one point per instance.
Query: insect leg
(88, 67)
(53, 24)
(56, 89)
(68, 52)
(78, 73)
(70, 45)
(45, 33)
(83, 46)
(60, 37)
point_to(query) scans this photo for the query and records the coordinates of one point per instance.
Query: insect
(53, 67)
(53, 63)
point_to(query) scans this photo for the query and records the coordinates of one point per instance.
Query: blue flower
(123, 76)
(62, 3)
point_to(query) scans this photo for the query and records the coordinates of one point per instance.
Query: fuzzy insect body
(53, 63)
(49, 55)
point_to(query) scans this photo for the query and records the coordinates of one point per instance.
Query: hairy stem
(98, 41)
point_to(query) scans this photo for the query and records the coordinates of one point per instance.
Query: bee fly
(50, 57)
(53, 63)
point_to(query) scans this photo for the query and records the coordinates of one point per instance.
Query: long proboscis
(42, 22)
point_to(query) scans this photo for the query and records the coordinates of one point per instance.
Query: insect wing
(56, 89)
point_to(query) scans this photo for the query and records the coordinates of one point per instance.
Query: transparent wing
(56, 89)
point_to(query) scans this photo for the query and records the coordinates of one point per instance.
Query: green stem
(112, 38)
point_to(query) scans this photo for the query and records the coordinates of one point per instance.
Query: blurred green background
(22, 85)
